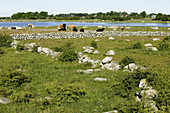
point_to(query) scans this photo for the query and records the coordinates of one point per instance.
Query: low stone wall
(92, 34)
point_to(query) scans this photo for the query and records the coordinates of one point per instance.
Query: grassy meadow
(49, 29)
(99, 96)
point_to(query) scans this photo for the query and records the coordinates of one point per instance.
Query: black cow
(81, 30)
(75, 29)
(100, 30)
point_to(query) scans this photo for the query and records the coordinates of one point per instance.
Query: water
(41, 24)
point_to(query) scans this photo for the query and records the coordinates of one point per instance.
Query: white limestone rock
(107, 60)
(111, 38)
(14, 44)
(96, 52)
(100, 79)
(4, 100)
(110, 52)
(148, 45)
(152, 49)
(156, 39)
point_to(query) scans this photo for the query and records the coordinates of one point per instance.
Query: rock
(111, 66)
(150, 93)
(30, 46)
(143, 83)
(137, 99)
(96, 52)
(127, 40)
(111, 38)
(97, 70)
(16, 52)
(4, 100)
(156, 39)
(84, 59)
(107, 60)
(154, 28)
(148, 45)
(39, 49)
(48, 98)
(95, 63)
(115, 111)
(133, 66)
(168, 28)
(97, 40)
(152, 49)
(88, 71)
(87, 47)
(127, 27)
(110, 52)
(88, 51)
(55, 54)
(100, 79)
(14, 44)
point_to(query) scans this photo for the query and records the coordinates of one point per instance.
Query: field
(99, 96)
(89, 28)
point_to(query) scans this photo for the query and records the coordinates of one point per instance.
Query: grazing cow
(100, 30)
(122, 28)
(81, 30)
(31, 25)
(62, 27)
(75, 29)
(72, 26)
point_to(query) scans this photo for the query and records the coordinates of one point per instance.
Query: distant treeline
(112, 15)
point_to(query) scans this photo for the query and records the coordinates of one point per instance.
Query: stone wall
(92, 34)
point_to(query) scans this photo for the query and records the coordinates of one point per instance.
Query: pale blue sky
(8, 7)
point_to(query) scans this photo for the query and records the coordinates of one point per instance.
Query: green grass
(99, 97)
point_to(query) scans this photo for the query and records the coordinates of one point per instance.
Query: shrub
(5, 40)
(61, 93)
(127, 60)
(166, 39)
(34, 49)
(68, 53)
(13, 78)
(163, 46)
(20, 47)
(21, 97)
(58, 49)
(1, 51)
(94, 44)
(137, 45)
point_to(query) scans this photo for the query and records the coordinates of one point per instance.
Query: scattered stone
(4, 100)
(14, 44)
(88, 71)
(97, 70)
(111, 66)
(154, 28)
(133, 66)
(143, 83)
(110, 52)
(100, 79)
(16, 52)
(96, 52)
(87, 47)
(127, 40)
(111, 38)
(115, 111)
(88, 51)
(156, 39)
(107, 60)
(152, 48)
(148, 45)
(97, 40)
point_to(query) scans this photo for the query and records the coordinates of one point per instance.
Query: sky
(9, 7)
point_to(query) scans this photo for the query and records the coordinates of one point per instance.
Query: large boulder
(107, 60)
(110, 52)
(111, 66)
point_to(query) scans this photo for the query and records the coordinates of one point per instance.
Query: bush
(127, 60)
(68, 53)
(20, 47)
(94, 44)
(58, 49)
(163, 46)
(60, 94)
(21, 97)
(5, 40)
(1, 51)
(13, 78)
(34, 49)
(166, 39)
(137, 45)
